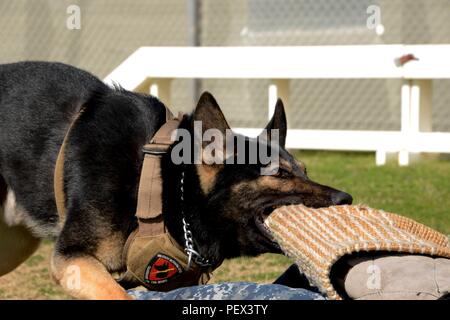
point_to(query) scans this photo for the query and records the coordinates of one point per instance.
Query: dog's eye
(283, 173)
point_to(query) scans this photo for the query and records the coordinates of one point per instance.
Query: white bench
(150, 70)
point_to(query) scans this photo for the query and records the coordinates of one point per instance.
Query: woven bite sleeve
(317, 238)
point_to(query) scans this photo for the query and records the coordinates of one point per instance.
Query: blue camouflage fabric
(230, 291)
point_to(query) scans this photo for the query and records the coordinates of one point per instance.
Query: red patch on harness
(161, 269)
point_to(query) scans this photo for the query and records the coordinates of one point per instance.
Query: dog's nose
(340, 197)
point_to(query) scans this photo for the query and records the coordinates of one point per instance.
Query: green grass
(34, 260)
(420, 191)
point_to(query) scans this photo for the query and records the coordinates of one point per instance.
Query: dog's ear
(210, 129)
(209, 113)
(279, 122)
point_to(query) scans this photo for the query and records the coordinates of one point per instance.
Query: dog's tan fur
(207, 176)
(109, 251)
(86, 278)
(16, 241)
(268, 183)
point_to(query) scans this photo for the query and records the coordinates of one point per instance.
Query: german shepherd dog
(102, 165)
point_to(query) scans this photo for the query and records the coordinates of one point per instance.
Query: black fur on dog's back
(38, 101)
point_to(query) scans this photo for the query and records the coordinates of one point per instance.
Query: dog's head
(240, 190)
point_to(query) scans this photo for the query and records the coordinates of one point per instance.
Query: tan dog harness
(152, 257)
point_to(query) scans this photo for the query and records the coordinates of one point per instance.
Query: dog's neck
(207, 242)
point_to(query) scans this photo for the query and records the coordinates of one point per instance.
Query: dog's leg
(84, 277)
(16, 241)
(16, 245)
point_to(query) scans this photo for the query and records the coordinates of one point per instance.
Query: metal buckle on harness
(153, 152)
(155, 149)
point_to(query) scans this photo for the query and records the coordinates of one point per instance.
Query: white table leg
(278, 88)
(161, 88)
(403, 155)
(380, 157)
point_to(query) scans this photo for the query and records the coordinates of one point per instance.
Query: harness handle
(149, 205)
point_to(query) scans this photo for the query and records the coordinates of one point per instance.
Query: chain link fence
(325, 104)
(113, 29)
